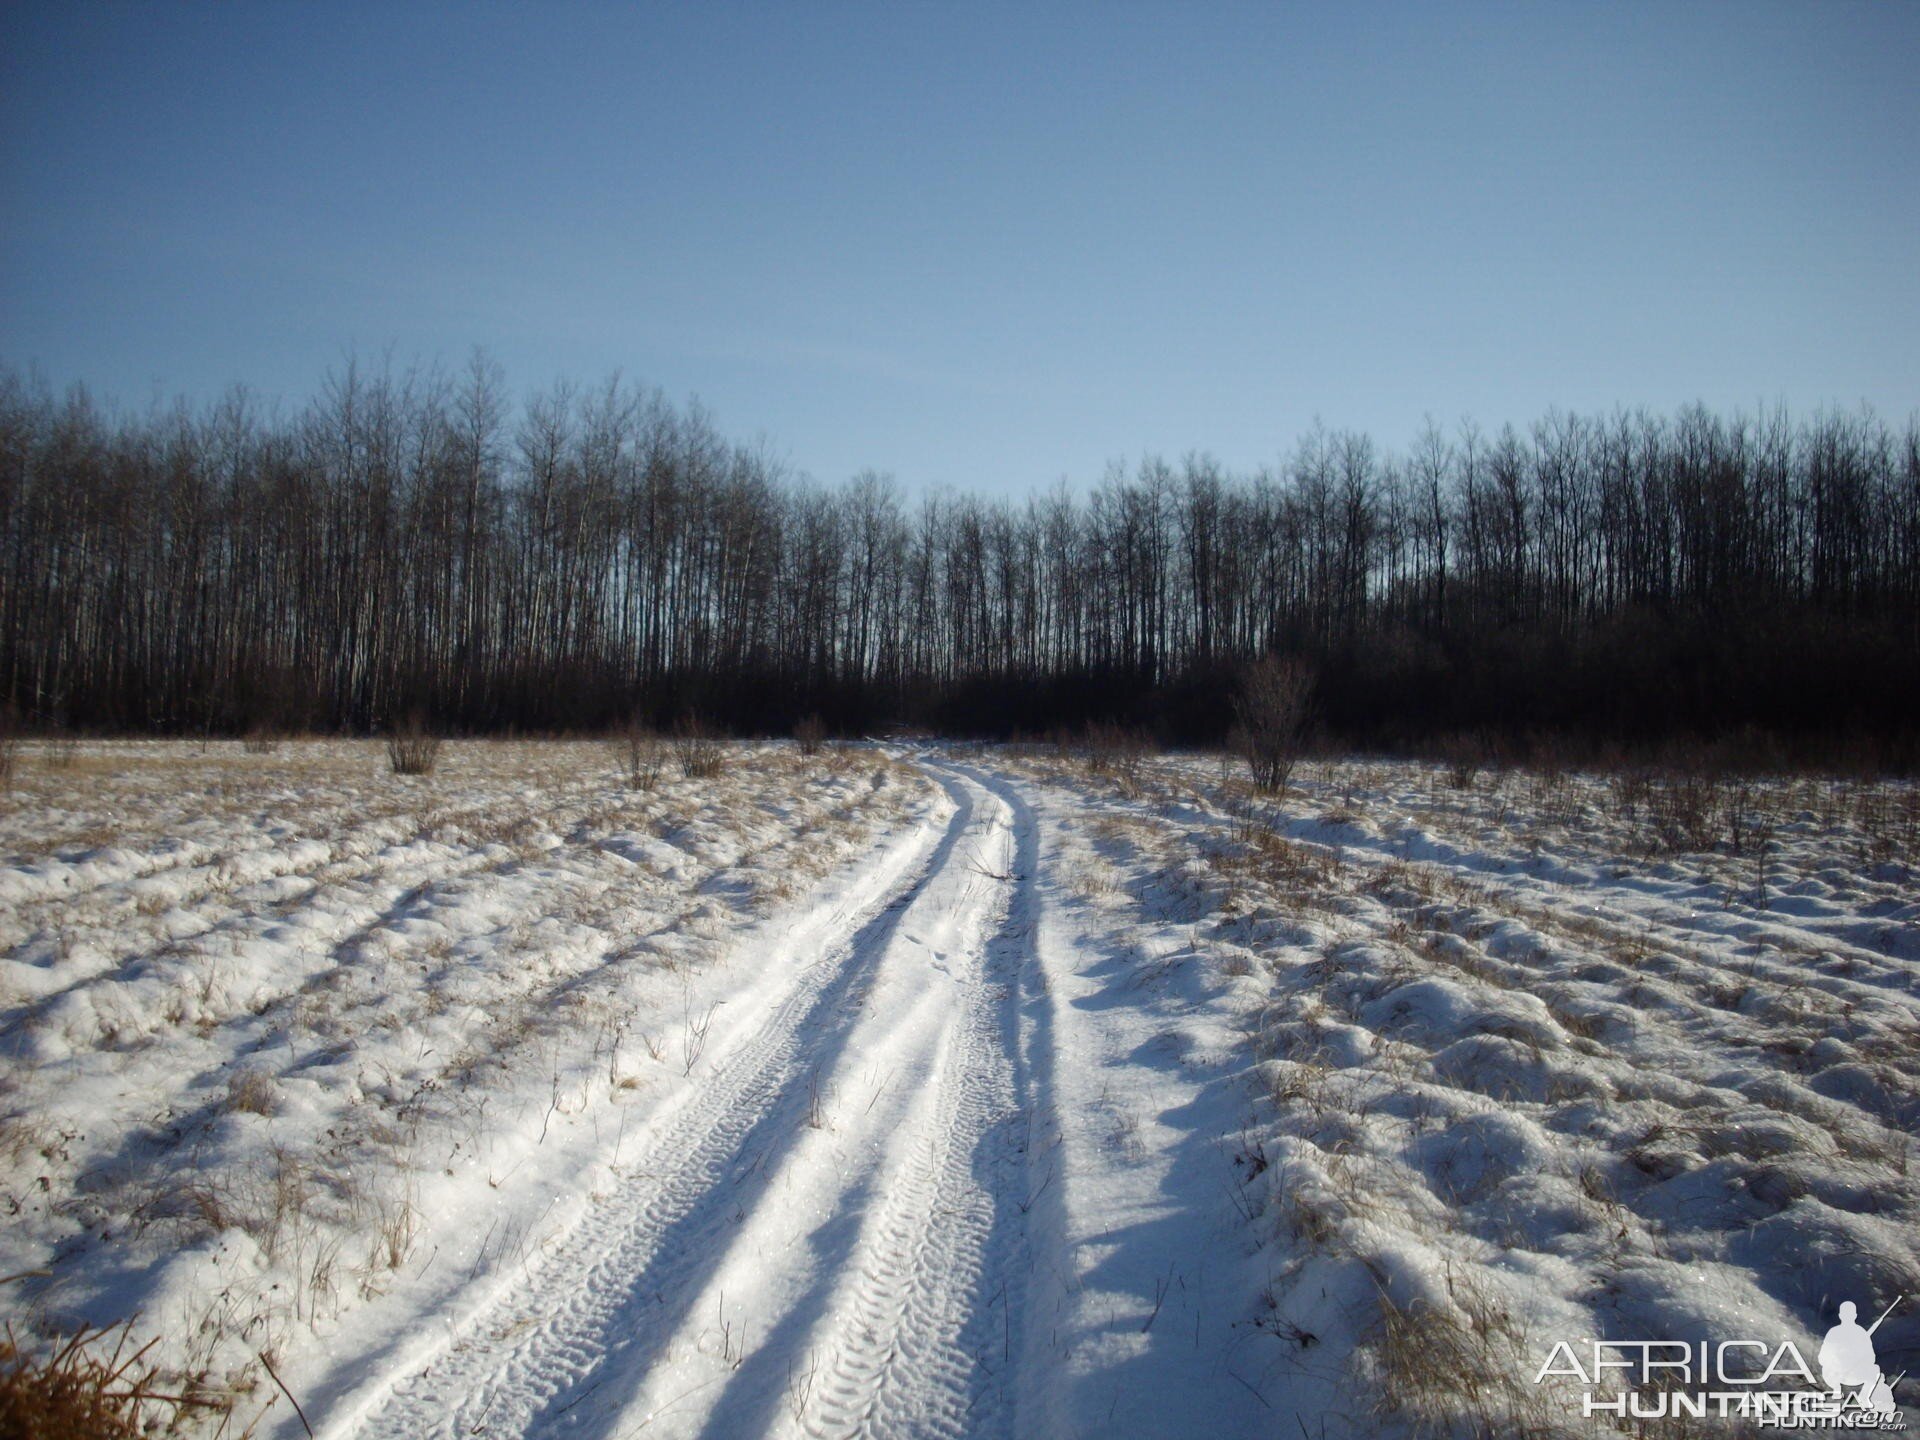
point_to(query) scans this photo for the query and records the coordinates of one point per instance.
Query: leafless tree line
(420, 543)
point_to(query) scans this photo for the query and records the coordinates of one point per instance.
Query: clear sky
(979, 246)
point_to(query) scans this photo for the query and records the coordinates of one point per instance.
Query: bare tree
(413, 539)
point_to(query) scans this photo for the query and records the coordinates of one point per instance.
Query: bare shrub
(1272, 709)
(1750, 819)
(1687, 810)
(412, 749)
(700, 754)
(1630, 787)
(62, 752)
(1552, 794)
(1891, 820)
(1462, 758)
(9, 750)
(1116, 750)
(260, 740)
(643, 756)
(811, 735)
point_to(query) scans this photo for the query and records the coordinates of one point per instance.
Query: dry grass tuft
(251, 1092)
(1467, 1361)
(82, 1391)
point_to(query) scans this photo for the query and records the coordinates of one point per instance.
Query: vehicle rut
(890, 1303)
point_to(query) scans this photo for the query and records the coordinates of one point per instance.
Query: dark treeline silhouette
(420, 543)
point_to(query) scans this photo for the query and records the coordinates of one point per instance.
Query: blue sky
(978, 246)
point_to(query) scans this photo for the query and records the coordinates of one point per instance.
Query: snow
(1493, 1078)
(941, 1091)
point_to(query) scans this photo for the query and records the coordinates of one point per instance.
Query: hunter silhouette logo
(1740, 1378)
(1847, 1361)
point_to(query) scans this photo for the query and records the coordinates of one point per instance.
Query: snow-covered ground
(947, 1091)
(1456, 1074)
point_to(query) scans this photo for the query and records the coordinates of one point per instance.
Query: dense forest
(423, 543)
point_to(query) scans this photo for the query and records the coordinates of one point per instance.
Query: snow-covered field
(947, 1091)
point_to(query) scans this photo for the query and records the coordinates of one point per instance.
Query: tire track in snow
(910, 1290)
(921, 1341)
(588, 1321)
(877, 1287)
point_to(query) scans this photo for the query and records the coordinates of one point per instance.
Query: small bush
(699, 753)
(1117, 751)
(811, 735)
(1630, 787)
(642, 756)
(1750, 820)
(1463, 758)
(412, 749)
(1688, 811)
(1272, 709)
(259, 740)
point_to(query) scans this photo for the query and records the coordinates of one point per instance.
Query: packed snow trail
(828, 1240)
